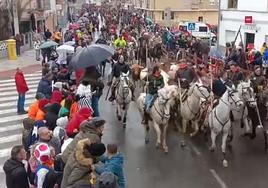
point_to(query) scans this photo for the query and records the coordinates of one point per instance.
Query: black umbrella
(91, 56)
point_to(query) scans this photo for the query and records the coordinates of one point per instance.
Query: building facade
(250, 18)
(170, 12)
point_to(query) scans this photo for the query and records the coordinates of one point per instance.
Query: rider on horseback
(155, 82)
(119, 67)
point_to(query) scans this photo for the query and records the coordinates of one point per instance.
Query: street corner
(27, 69)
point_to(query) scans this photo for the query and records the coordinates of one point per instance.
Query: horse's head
(202, 91)
(167, 93)
(246, 92)
(234, 99)
(124, 80)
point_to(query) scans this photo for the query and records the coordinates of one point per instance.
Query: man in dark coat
(22, 88)
(45, 85)
(91, 129)
(16, 175)
(52, 115)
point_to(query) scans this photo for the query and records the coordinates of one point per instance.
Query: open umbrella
(65, 48)
(48, 44)
(91, 56)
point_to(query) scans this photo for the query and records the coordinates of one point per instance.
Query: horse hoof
(146, 140)
(192, 135)
(119, 118)
(212, 149)
(183, 144)
(166, 151)
(157, 145)
(124, 125)
(225, 163)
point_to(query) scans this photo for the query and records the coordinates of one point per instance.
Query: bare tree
(5, 19)
(22, 7)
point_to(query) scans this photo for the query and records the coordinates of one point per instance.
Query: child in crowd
(113, 162)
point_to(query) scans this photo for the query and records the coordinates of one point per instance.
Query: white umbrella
(65, 48)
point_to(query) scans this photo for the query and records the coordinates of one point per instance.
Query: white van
(201, 30)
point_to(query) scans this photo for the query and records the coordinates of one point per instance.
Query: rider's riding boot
(112, 97)
(145, 118)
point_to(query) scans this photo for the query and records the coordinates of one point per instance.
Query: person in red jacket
(73, 126)
(22, 88)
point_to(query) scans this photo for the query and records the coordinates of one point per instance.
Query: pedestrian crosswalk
(11, 123)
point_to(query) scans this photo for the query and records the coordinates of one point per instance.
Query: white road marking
(11, 138)
(197, 152)
(14, 84)
(219, 180)
(12, 80)
(10, 93)
(10, 128)
(13, 88)
(27, 96)
(12, 118)
(1, 169)
(5, 152)
(13, 110)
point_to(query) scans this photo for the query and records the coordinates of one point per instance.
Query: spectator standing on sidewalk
(37, 44)
(19, 42)
(16, 175)
(22, 88)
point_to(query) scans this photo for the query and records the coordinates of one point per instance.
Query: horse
(159, 113)
(246, 93)
(219, 119)
(190, 108)
(123, 98)
(156, 53)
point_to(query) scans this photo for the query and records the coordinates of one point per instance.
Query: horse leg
(118, 112)
(158, 134)
(196, 129)
(165, 147)
(147, 129)
(125, 117)
(184, 126)
(246, 124)
(223, 148)
(213, 136)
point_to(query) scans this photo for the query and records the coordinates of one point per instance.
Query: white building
(250, 15)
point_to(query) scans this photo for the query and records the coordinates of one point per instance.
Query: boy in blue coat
(113, 162)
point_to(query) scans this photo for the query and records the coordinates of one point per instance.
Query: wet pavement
(191, 167)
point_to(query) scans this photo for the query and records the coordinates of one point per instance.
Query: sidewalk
(26, 62)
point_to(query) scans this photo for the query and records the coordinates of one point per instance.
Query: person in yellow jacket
(263, 48)
(120, 42)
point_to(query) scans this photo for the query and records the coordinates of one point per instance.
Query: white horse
(123, 98)
(219, 119)
(190, 108)
(246, 94)
(159, 113)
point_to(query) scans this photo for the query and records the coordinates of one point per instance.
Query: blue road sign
(191, 26)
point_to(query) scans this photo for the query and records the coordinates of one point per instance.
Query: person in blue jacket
(113, 162)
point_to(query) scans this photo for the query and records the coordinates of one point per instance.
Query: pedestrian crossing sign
(191, 26)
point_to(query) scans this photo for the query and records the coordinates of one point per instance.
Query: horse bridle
(123, 88)
(243, 93)
(229, 96)
(162, 114)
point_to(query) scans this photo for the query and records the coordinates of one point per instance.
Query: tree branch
(21, 8)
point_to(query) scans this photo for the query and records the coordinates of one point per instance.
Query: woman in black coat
(52, 115)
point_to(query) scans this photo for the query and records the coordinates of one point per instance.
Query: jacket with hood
(16, 175)
(21, 84)
(82, 115)
(87, 130)
(78, 165)
(52, 115)
(56, 97)
(114, 165)
(33, 109)
(45, 87)
(41, 110)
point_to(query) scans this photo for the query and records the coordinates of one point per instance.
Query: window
(203, 29)
(200, 19)
(229, 36)
(163, 15)
(212, 2)
(266, 39)
(232, 4)
(172, 15)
